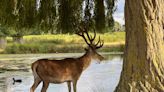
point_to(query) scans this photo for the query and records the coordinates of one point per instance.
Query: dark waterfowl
(16, 80)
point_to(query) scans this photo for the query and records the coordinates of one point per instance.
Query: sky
(119, 13)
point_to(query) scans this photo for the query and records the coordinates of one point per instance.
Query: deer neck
(86, 60)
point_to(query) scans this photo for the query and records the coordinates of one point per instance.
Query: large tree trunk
(3, 42)
(143, 67)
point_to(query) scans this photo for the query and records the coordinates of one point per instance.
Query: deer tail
(34, 69)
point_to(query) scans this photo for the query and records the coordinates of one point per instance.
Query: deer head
(90, 41)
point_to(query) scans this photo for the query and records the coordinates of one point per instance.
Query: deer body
(65, 70)
(53, 70)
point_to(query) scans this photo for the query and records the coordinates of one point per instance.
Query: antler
(82, 31)
(101, 42)
(91, 39)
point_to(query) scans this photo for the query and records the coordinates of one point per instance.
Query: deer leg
(36, 83)
(69, 86)
(74, 85)
(45, 86)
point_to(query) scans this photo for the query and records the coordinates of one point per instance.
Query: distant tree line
(23, 17)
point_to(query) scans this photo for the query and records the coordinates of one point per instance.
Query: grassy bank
(113, 42)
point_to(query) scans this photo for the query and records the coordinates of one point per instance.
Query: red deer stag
(68, 69)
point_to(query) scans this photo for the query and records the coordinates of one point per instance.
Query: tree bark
(143, 67)
(3, 42)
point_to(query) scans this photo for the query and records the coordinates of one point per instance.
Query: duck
(17, 80)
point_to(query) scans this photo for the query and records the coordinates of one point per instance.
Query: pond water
(102, 77)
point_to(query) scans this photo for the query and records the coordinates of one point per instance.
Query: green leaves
(53, 16)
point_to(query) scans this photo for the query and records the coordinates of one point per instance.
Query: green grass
(62, 43)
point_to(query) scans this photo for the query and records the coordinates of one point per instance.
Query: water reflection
(97, 78)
